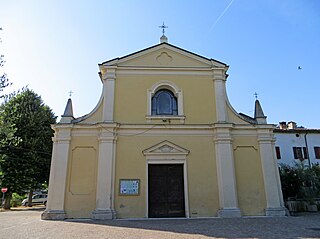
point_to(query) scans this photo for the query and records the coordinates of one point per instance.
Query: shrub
(16, 199)
(300, 182)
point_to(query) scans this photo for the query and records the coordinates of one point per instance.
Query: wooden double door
(166, 190)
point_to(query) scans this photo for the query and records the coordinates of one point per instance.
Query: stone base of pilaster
(229, 212)
(276, 212)
(53, 215)
(100, 214)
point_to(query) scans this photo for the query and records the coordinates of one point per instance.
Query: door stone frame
(166, 152)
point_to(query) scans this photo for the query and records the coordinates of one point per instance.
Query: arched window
(164, 103)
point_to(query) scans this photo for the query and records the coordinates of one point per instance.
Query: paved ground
(27, 224)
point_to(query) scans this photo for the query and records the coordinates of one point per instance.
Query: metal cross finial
(70, 93)
(163, 27)
(256, 95)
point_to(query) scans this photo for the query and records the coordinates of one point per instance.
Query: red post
(3, 190)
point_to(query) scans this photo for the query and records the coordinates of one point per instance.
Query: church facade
(163, 141)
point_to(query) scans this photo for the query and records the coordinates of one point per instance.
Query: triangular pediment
(164, 55)
(166, 148)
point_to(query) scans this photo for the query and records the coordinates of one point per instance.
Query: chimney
(283, 125)
(292, 125)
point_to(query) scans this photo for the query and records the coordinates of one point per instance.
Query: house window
(278, 153)
(317, 152)
(297, 152)
(164, 103)
(300, 153)
(305, 153)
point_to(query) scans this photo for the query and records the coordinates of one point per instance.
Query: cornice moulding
(164, 71)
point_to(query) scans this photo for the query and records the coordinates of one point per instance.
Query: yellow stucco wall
(131, 98)
(81, 178)
(201, 170)
(248, 169)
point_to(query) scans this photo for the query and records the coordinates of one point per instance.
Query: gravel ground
(26, 223)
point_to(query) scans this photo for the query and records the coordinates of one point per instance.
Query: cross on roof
(70, 93)
(256, 95)
(163, 27)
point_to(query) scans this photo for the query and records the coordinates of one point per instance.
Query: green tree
(4, 81)
(25, 157)
(6, 130)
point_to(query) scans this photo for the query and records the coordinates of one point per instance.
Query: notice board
(129, 187)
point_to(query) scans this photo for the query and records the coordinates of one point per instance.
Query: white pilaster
(220, 95)
(105, 177)
(270, 174)
(226, 172)
(108, 94)
(58, 174)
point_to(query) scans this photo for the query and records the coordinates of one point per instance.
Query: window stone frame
(177, 92)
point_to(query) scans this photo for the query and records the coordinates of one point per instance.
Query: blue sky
(55, 46)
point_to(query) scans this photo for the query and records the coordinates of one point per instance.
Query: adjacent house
(297, 144)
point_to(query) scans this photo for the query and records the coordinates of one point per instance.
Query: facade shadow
(305, 226)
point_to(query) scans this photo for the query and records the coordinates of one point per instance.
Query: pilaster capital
(266, 139)
(222, 126)
(109, 73)
(62, 127)
(265, 136)
(107, 139)
(62, 134)
(106, 127)
(224, 140)
(108, 133)
(61, 140)
(219, 74)
(222, 133)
